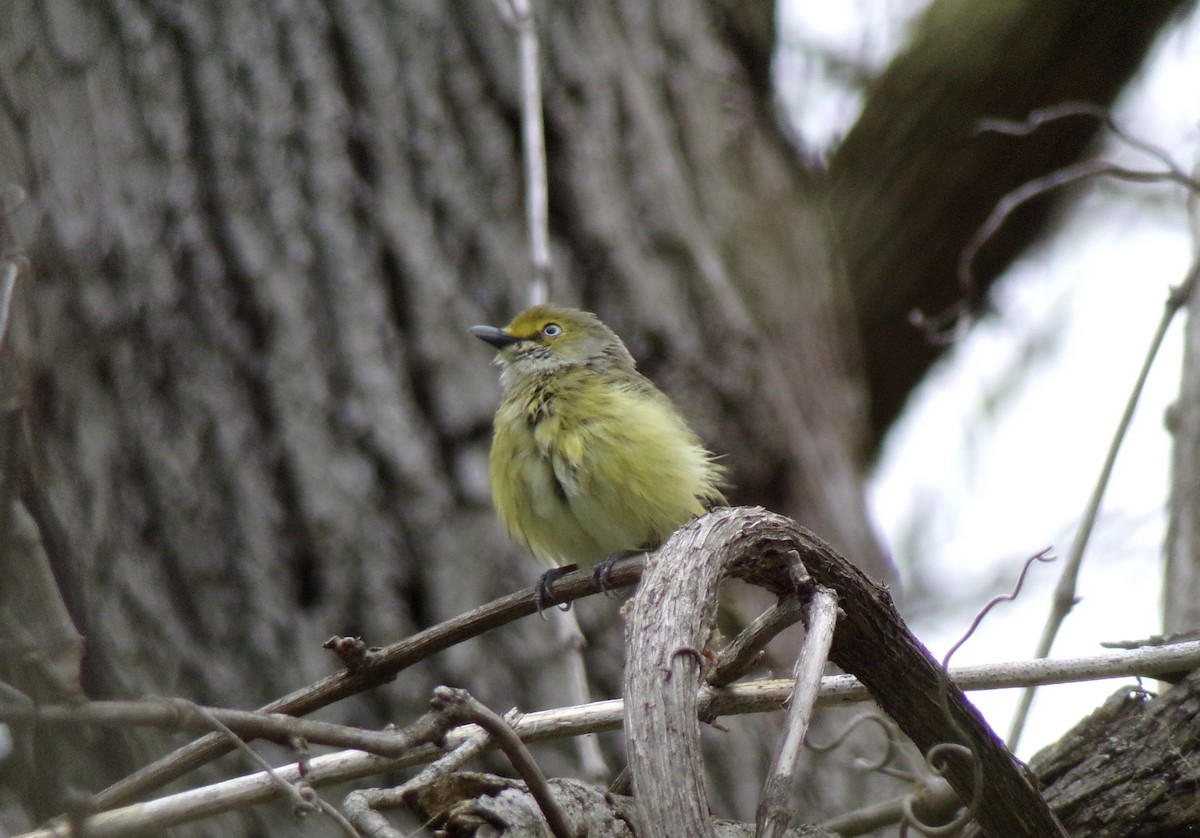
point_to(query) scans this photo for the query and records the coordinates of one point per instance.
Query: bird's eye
(551, 330)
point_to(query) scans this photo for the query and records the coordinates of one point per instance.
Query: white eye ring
(551, 330)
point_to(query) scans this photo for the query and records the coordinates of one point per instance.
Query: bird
(590, 461)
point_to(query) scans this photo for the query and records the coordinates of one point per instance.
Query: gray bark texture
(475, 805)
(240, 409)
(1129, 769)
(1181, 580)
(672, 613)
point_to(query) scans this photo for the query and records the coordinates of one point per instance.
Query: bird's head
(546, 339)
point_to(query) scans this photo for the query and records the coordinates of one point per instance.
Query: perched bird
(590, 461)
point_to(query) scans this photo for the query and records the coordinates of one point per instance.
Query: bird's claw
(542, 594)
(603, 572)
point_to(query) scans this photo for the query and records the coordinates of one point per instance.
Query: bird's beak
(496, 337)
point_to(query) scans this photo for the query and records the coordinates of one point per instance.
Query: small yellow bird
(590, 461)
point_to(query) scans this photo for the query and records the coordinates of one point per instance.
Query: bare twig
(572, 641)
(366, 818)
(745, 650)
(8, 283)
(462, 706)
(362, 804)
(933, 799)
(774, 814)
(1180, 607)
(301, 803)
(1065, 591)
(181, 715)
(938, 757)
(304, 797)
(1172, 170)
(952, 324)
(519, 15)
(547, 725)
(1152, 640)
(376, 666)
(463, 753)
(600, 716)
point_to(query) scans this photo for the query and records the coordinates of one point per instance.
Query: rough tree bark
(1128, 768)
(258, 232)
(673, 611)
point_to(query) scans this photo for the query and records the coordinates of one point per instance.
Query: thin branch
(362, 805)
(570, 637)
(1065, 591)
(937, 758)
(181, 715)
(601, 716)
(1043, 116)
(8, 284)
(741, 654)
(774, 814)
(933, 799)
(388, 798)
(461, 706)
(952, 324)
(519, 15)
(305, 799)
(366, 818)
(750, 697)
(300, 803)
(1153, 640)
(374, 666)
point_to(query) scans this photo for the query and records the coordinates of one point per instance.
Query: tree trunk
(1181, 578)
(259, 233)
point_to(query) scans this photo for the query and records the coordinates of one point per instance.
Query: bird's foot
(603, 572)
(542, 595)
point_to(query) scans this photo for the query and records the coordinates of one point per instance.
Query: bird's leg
(541, 590)
(603, 572)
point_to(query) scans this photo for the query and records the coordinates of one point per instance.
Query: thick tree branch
(871, 642)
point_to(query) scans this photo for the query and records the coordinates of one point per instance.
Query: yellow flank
(589, 458)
